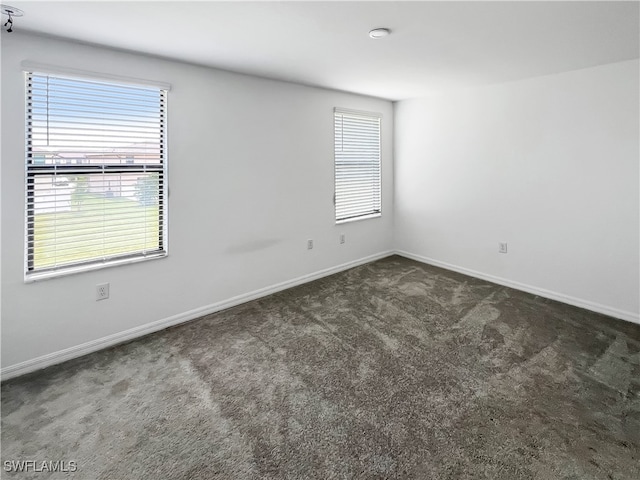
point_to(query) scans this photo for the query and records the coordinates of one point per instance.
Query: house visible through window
(357, 165)
(95, 182)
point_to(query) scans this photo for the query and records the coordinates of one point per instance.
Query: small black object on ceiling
(11, 12)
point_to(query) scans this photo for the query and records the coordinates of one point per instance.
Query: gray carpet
(394, 369)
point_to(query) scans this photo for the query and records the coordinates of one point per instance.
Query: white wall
(251, 179)
(549, 165)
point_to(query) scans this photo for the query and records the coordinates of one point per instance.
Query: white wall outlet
(502, 247)
(342, 238)
(309, 244)
(102, 291)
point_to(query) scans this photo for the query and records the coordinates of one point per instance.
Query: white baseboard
(133, 333)
(560, 297)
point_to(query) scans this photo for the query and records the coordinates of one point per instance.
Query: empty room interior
(268, 240)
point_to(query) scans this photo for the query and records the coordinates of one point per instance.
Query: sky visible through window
(71, 115)
(83, 206)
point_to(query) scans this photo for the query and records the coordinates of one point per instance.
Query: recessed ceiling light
(379, 32)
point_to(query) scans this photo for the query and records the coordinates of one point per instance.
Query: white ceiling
(433, 46)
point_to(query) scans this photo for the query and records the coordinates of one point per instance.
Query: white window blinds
(95, 172)
(357, 164)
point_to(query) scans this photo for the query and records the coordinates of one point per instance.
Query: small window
(87, 204)
(357, 165)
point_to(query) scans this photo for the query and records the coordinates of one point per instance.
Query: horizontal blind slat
(95, 171)
(357, 164)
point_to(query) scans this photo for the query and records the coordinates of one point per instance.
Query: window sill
(72, 270)
(356, 219)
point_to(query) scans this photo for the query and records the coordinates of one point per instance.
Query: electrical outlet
(309, 244)
(342, 238)
(502, 247)
(102, 291)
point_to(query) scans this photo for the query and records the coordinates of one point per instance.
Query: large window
(95, 173)
(357, 165)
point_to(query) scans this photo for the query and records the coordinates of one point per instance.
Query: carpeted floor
(394, 369)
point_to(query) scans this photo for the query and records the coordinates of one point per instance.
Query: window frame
(376, 180)
(34, 168)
